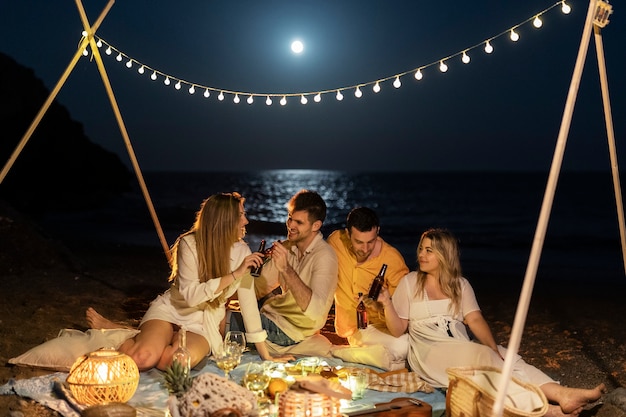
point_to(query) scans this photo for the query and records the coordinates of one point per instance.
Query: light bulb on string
(99, 43)
(514, 35)
(303, 99)
(85, 52)
(207, 94)
(141, 69)
(129, 64)
(488, 47)
(443, 67)
(283, 101)
(565, 8)
(268, 101)
(153, 76)
(166, 81)
(418, 75)
(250, 99)
(465, 58)
(192, 90)
(376, 87)
(119, 57)
(397, 82)
(108, 51)
(358, 93)
(537, 22)
(236, 99)
(178, 85)
(339, 96)
(220, 97)
(317, 98)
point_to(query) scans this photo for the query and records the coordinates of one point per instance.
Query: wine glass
(228, 358)
(257, 378)
(237, 339)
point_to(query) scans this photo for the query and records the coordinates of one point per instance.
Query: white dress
(438, 340)
(197, 306)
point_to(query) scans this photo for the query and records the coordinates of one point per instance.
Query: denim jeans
(274, 334)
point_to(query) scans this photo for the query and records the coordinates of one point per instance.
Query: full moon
(297, 47)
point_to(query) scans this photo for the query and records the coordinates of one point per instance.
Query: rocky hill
(59, 167)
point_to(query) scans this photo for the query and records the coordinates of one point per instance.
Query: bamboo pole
(604, 84)
(55, 91)
(120, 121)
(544, 216)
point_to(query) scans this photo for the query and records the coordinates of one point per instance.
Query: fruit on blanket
(177, 380)
(277, 385)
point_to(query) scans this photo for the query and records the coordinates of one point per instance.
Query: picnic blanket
(151, 397)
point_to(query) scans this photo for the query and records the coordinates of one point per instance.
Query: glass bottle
(256, 272)
(182, 354)
(377, 284)
(361, 313)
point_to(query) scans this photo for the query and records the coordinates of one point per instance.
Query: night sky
(502, 111)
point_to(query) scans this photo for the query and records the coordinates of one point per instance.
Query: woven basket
(103, 376)
(300, 403)
(466, 398)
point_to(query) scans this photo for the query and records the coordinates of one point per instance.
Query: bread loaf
(210, 393)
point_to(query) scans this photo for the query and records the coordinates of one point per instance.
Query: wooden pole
(120, 121)
(604, 84)
(544, 216)
(54, 92)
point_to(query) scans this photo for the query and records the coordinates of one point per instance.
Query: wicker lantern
(103, 376)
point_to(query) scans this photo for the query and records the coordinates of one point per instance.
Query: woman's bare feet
(573, 399)
(97, 321)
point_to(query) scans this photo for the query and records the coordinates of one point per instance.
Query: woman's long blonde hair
(216, 229)
(446, 248)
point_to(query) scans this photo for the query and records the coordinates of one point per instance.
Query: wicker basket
(467, 398)
(103, 376)
(300, 403)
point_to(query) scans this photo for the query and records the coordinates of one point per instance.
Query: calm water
(493, 214)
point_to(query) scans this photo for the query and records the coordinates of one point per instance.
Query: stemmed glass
(228, 358)
(237, 339)
(257, 379)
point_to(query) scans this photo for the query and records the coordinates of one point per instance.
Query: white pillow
(59, 354)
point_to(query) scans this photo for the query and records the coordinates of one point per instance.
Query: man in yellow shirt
(361, 252)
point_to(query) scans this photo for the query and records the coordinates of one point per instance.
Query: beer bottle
(256, 272)
(361, 314)
(377, 284)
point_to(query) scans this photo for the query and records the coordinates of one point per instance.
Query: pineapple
(177, 379)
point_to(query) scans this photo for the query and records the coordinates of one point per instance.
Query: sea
(493, 214)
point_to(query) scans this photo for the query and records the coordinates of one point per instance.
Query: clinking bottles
(182, 355)
(361, 313)
(377, 284)
(256, 272)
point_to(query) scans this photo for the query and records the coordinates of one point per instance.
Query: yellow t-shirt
(354, 278)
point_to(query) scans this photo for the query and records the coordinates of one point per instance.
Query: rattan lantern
(103, 376)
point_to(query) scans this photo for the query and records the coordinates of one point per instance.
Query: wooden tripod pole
(120, 121)
(52, 96)
(544, 216)
(604, 84)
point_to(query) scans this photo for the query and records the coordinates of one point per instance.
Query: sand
(575, 334)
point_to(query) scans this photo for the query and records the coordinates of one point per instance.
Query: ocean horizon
(494, 215)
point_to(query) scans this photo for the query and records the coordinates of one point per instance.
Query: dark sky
(501, 111)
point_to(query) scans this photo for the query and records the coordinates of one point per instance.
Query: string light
(317, 95)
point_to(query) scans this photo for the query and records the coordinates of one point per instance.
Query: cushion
(374, 355)
(316, 345)
(59, 354)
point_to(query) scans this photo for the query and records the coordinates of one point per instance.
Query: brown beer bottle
(256, 272)
(361, 314)
(377, 284)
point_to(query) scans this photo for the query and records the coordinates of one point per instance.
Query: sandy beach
(575, 334)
